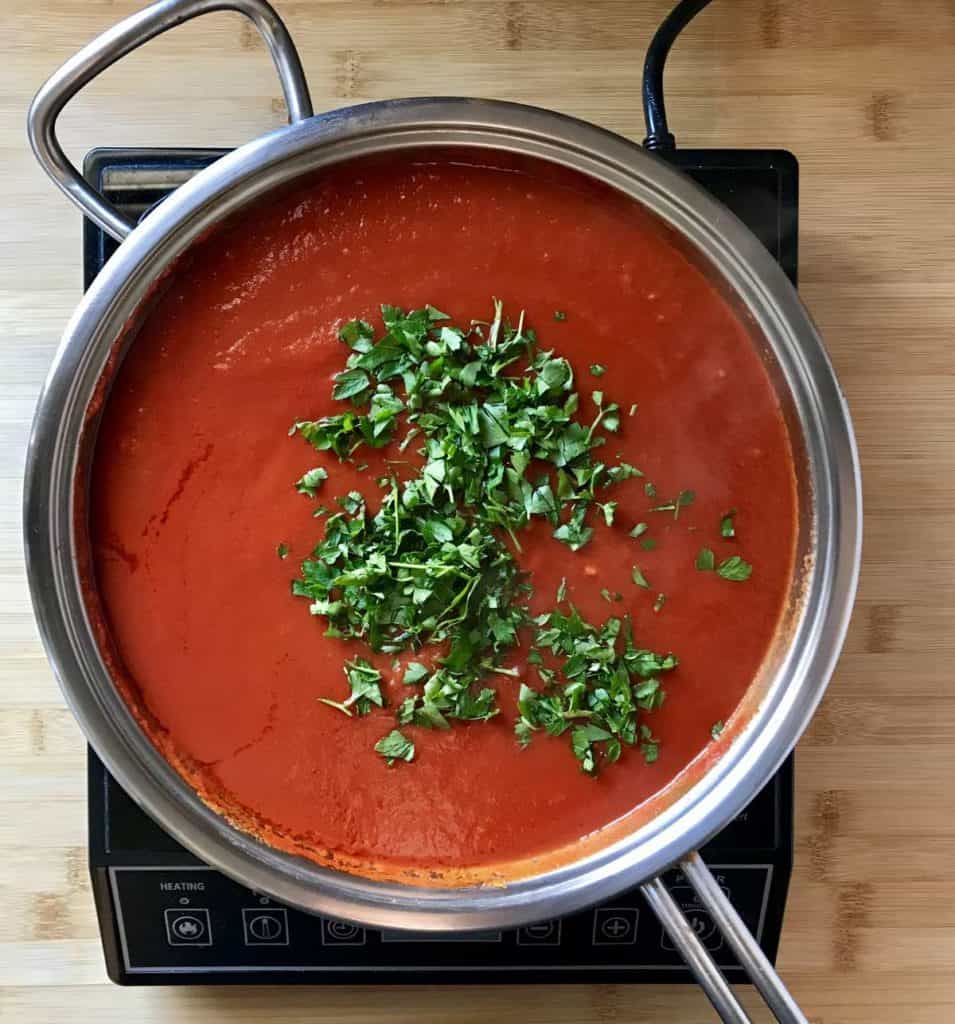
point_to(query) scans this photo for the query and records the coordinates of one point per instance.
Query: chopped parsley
(499, 438)
(365, 682)
(415, 672)
(609, 682)
(559, 315)
(638, 578)
(395, 747)
(312, 481)
(608, 508)
(716, 729)
(706, 560)
(597, 370)
(624, 471)
(648, 543)
(574, 533)
(727, 526)
(681, 501)
(282, 550)
(351, 384)
(734, 568)
(418, 710)
(432, 566)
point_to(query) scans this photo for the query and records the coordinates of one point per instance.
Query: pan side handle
(753, 960)
(114, 44)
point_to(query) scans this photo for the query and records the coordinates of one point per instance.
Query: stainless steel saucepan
(57, 475)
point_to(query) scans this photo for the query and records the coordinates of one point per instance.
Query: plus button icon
(615, 926)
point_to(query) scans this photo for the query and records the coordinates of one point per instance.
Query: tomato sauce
(193, 489)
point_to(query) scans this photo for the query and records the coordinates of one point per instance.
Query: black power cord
(659, 137)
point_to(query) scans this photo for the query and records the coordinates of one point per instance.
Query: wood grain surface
(863, 91)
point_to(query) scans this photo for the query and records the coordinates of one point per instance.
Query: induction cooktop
(167, 918)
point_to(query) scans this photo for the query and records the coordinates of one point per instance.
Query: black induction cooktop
(166, 918)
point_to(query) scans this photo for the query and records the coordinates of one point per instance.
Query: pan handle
(740, 939)
(115, 43)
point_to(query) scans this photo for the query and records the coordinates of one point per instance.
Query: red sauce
(193, 489)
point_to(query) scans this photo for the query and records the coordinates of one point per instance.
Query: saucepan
(104, 323)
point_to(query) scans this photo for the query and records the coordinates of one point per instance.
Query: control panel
(192, 920)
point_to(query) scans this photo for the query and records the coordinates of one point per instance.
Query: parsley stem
(394, 494)
(438, 567)
(495, 324)
(465, 592)
(595, 424)
(500, 670)
(513, 537)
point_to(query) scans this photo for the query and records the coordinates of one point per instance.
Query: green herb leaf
(716, 730)
(357, 334)
(648, 543)
(406, 710)
(582, 739)
(597, 370)
(282, 550)
(727, 526)
(624, 471)
(311, 481)
(734, 568)
(429, 716)
(395, 747)
(365, 682)
(608, 508)
(706, 560)
(559, 315)
(574, 533)
(639, 578)
(351, 384)
(415, 672)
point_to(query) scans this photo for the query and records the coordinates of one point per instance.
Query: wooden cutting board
(864, 93)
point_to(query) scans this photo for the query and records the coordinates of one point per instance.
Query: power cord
(659, 137)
